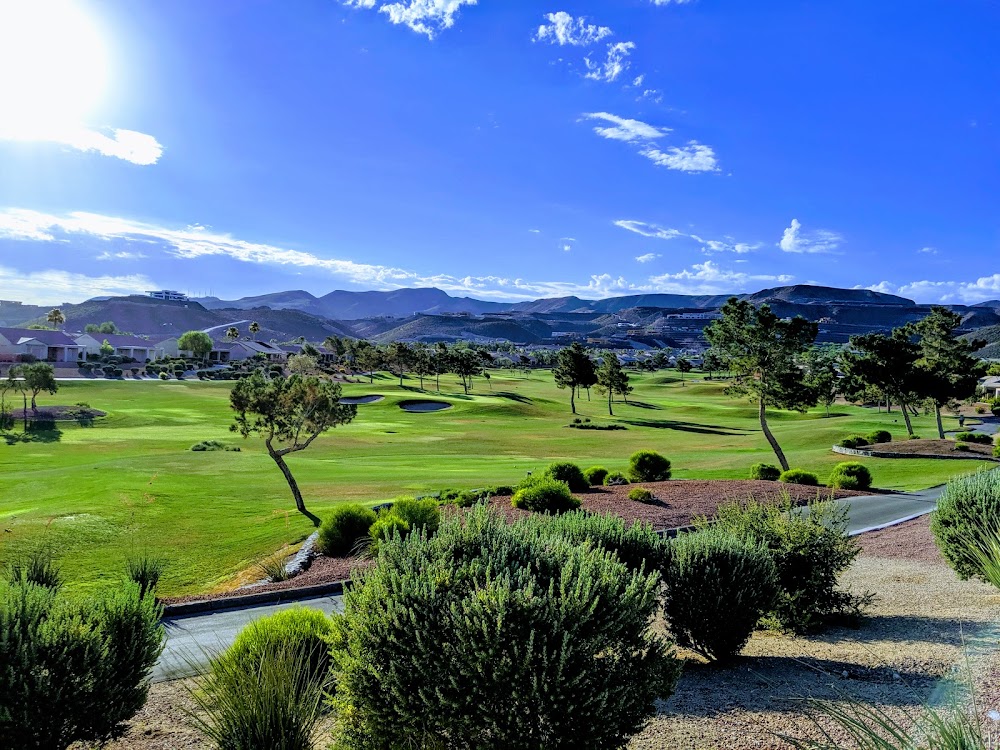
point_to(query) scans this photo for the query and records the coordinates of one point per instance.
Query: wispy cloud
(670, 2)
(647, 258)
(693, 157)
(615, 63)
(54, 287)
(563, 29)
(794, 240)
(128, 145)
(535, 231)
(710, 278)
(928, 251)
(727, 245)
(124, 255)
(428, 17)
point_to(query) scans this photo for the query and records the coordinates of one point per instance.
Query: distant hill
(806, 294)
(995, 303)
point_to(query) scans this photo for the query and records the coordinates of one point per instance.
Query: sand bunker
(356, 400)
(423, 406)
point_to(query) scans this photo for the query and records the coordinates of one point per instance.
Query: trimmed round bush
(648, 466)
(974, 437)
(545, 495)
(879, 436)
(855, 441)
(346, 525)
(765, 472)
(306, 632)
(799, 476)
(569, 473)
(418, 514)
(615, 479)
(640, 495)
(968, 516)
(850, 475)
(595, 475)
(484, 592)
(718, 587)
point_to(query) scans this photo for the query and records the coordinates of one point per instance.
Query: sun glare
(53, 67)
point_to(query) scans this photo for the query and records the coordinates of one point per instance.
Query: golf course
(129, 481)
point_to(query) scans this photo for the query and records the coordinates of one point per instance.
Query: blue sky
(499, 148)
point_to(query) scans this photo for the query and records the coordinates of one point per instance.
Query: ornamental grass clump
(718, 586)
(487, 636)
(641, 495)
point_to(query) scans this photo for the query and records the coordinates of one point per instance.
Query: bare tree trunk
(294, 486)
(770, 438)
(906, 418)
(572, 398)
(937, 416)
(610, 393)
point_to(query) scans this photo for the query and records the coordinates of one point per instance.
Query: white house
(992, 385)
(248, 349)
(49, 346)
(133, 347)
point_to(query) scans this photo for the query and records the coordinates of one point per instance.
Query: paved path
(191, 640)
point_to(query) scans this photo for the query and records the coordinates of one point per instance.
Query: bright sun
(53, 67)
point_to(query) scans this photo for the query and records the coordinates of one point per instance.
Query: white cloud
(637, 81)
(694, 157)
(710, 278)
(647, 258)
(428, 17)
(727, 245)
(928, 251)
(945, 292)
(54, 287)
(535, 231)
(563, 29)
(794, 240)
(124, 255)
(669, 2)
(127, 145)
(614, 64)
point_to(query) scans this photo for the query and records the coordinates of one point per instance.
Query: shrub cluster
(765, 472)
(810, 548)
(641, 495)
(542, 494)
(854, 441)
(468, 498)
(214, 445)
(595, 475)
(409, 656)
(344, 528)
(648, 466)
(850, 476)
(718, 586)
(879, 436)
(615, 478)
(974, 437)
(571, 474)
(799, 476)
(590, 426)
(967, 517)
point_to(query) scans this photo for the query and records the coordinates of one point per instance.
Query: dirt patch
(59, 414)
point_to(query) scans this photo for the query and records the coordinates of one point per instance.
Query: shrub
(914, 437)
(73, 670)
(810, 549)
(386, 526)
(570, 474)
(144, 570)
(969, 509)
(346, 525)
(274, 568)
(164, 376)
(209, 445)
(545, 495)
(417, 514)
(595, 475)
(799, 476)
(35, 566)
(306, 632)
(962, 447)
(879, 436)
(641, 495)
(850, 475)
(765, 472)
(855, 441)
(980, 410)
(718, 587)
(996, 451)
(648, 466)
(562, 674)
(614, 479)
(974, 437)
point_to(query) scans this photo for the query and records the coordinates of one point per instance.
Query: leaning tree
(762, 352)
(289, 413)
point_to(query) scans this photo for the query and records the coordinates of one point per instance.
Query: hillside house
(49, 346)
(132, 347)
(247, 349)
(992, 386)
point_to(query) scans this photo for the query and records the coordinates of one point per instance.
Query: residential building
(247, 349)
(133, 347)
(49, 346)
(168, 294)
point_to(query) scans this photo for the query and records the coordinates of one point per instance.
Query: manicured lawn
(130, 481)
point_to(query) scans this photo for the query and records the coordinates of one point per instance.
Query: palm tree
(56, 317)
(232, 333)
(255, 329)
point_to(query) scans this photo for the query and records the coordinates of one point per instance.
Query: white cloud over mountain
(794, 240)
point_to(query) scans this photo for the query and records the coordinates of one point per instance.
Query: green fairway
(130, 481)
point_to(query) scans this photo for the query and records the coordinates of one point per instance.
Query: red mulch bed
(678, 503)
(932, 448)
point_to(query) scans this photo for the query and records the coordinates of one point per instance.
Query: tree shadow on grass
(520, 398)
(37, 432)
(701, 429)
(643, 405)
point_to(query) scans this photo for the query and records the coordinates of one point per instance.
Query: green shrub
(144, 570)
(418, 514)
(73, 670)
(545, 495)
(879, 436)
(386, 526)
(346, 525)
(810, 548)
(980, 410)
(208, 445)
(850, 475)
(561, 672)
(36, 565)
(569, 473)
(974, 437)
(305, 631)
(765, 472)
(996, 451)
(914, 437)
(962, 447)
(855, 441)
(641, 495)
(648, 466)
(799, 476)
(164, 376)
(595, 475)
(718, 587)
(638, 546)
(615, 478)
(968, 511)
